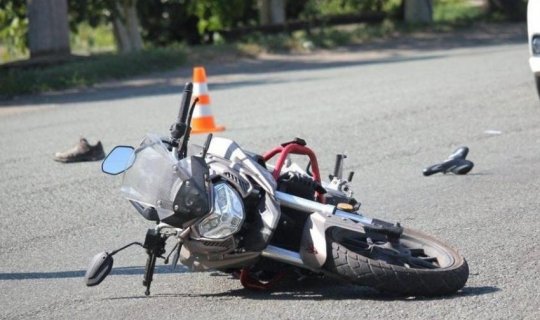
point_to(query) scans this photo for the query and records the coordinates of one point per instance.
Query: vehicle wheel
(537, 78)
(416, 265)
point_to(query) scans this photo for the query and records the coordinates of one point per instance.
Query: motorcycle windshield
(155, 176)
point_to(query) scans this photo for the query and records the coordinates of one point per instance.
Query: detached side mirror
(118, 160)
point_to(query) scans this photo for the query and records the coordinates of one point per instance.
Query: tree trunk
(418, 11)
(48, 31)
(264, 12)
(126, 27)
(271, 11)
(278, 11)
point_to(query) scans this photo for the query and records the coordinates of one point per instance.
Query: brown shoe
(83, 151)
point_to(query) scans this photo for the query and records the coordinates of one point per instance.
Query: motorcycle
(230, 210)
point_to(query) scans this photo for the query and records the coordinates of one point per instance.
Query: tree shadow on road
(394, 50)
(172, 83)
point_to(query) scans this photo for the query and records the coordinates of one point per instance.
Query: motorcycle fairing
(247, 166)
(154, 178)
(192, 201)
(177, 189)
(229, 162)
(230, 150)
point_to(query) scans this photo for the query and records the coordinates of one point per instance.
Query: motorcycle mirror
(99, 269)
(118, 160)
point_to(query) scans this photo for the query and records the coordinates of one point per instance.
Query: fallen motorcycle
(228, 209)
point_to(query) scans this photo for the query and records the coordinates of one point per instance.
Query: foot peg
(456, 163)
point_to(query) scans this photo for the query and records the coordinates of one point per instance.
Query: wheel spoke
(419, 262)
(429, 259)
(416, 252)
(392, 253)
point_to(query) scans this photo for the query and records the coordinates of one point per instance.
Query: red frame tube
(294, 148)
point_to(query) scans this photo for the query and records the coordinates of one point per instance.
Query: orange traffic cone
(202, 120)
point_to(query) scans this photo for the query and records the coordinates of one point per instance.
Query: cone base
(205, 125)
(209, 130)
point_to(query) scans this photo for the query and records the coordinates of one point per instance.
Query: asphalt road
(392, 112)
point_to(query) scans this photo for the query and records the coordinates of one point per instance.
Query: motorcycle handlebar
(184, 106)
(179, 128)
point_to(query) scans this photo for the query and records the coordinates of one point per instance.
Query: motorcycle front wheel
(422, 266)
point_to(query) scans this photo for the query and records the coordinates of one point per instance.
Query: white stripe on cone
(200, 88)
(201, 111)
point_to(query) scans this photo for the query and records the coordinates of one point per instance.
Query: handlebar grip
(184, 106)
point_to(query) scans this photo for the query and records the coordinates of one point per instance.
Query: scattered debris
(456, 163)
(83, 151)
(493, 132)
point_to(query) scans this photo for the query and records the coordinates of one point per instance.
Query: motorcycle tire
(350, 261)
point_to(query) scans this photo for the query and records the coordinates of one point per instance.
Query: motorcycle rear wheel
(354, 260)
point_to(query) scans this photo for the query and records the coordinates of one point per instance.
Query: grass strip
(86, 71)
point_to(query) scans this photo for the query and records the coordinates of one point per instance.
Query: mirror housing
(99, 269)
(118, 160)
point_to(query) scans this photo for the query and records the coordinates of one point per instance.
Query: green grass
(88, 40)
(448, 15)
(316, 38)
(456, 12)
(87, 71)
(85, 40)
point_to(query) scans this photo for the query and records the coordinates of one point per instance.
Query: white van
(533, 25)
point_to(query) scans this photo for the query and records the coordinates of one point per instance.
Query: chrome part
(168, 230)
(163, 225)
(302, 204)
(339, 187)
(283, 255)
(211, 259)
(227, 214)
(355, 217)
(305, 205)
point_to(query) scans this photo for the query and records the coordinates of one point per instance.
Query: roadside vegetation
(86, 71)
(96, 56)
(447, 16)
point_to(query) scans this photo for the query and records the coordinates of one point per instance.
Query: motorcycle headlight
(226, 217)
